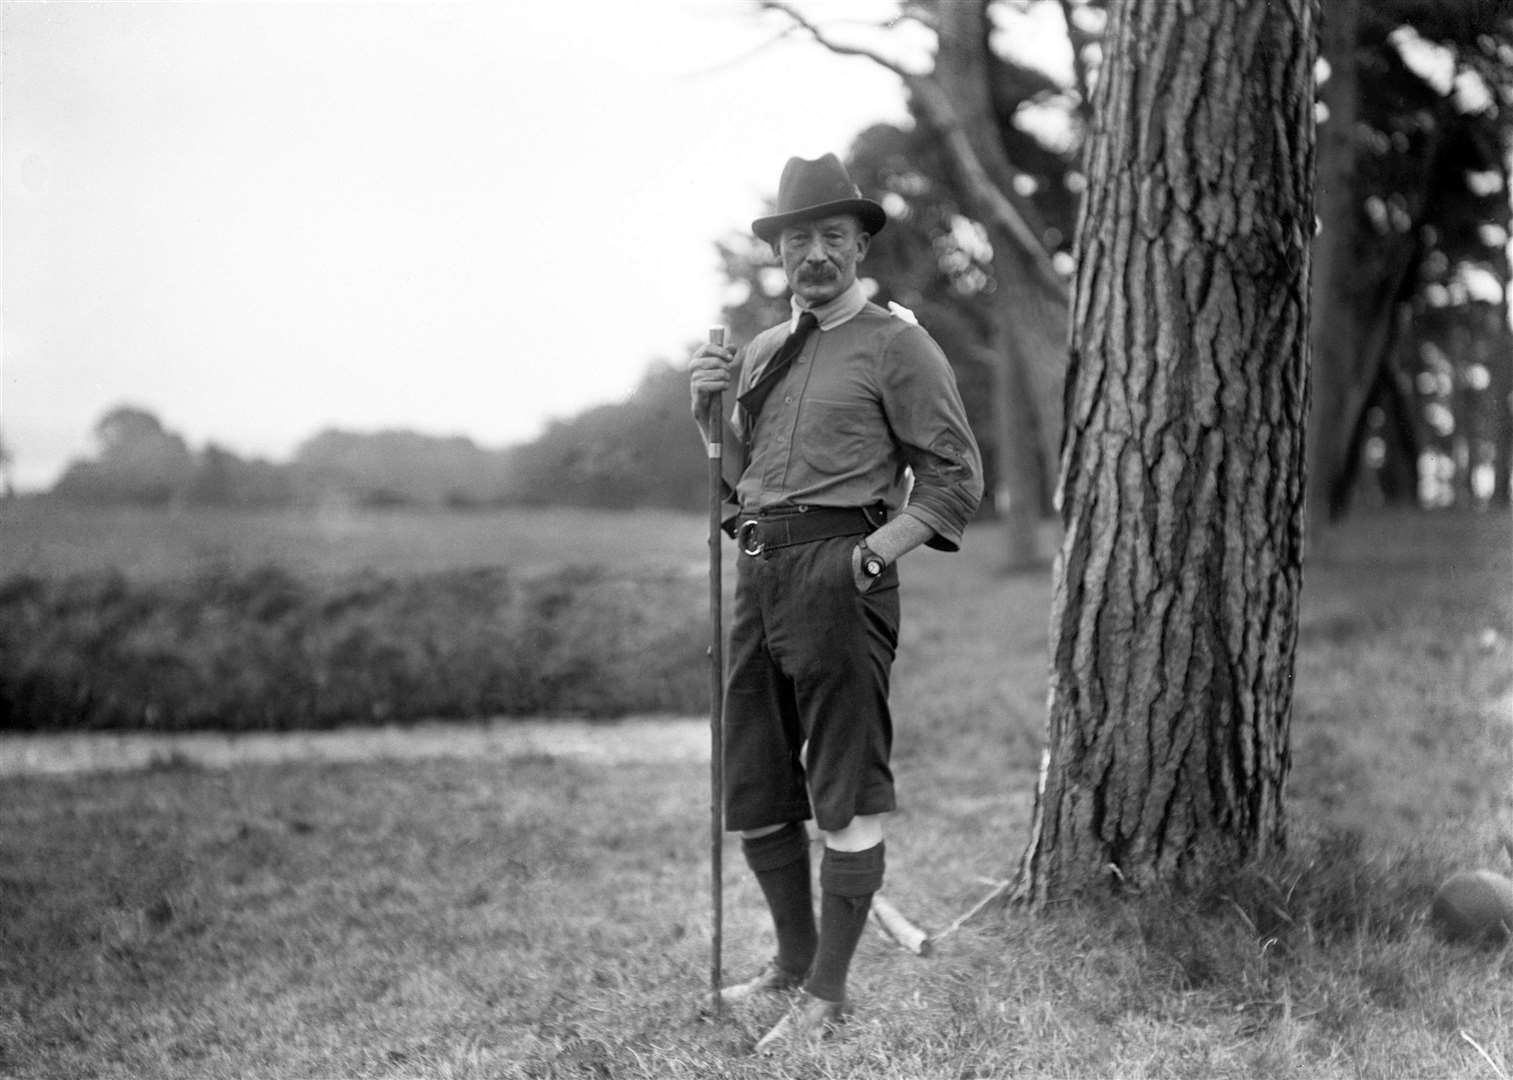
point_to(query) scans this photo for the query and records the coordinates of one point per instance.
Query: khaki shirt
(869, 404)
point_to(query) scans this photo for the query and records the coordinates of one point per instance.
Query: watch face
(874, 567)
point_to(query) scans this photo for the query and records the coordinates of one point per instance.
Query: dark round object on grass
(1474, 906)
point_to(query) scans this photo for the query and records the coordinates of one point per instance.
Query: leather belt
(788, 526)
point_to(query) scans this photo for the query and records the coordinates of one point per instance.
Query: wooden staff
(716, 680)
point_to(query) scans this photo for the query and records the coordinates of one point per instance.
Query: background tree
(643, 452)
(1174, 617)
(398, 467)
(221, 478)
(141, 462)
(1414, 201)
(137, 460)
(7, 460)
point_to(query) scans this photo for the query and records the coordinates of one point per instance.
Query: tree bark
(1174, 619)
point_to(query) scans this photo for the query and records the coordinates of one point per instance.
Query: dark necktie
(754, 398)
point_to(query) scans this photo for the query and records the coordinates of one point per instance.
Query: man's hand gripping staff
(712, 373)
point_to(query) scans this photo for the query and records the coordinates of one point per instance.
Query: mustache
(818, 273)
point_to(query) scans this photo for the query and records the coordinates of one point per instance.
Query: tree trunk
(1016, 495)
(1501, 368)
(1030, 308)
(1401, 438)
(1174, 619)
(1338, 365)
(1355, 298)
(1463, 343)
(1502, 419)
(1502, 431)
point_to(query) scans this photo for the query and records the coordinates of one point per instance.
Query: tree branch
(835, 46)
(1079, 66)
(940, 113)
(755, 50)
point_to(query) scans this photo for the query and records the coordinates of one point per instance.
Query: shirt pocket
(837, 437)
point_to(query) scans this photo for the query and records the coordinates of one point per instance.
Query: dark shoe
(809, 1021)
(770, 980)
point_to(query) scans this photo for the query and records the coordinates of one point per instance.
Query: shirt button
(788, 400)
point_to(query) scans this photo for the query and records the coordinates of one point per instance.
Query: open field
(43, 536)
(541, 915)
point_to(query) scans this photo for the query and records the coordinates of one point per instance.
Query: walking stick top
(716, 406)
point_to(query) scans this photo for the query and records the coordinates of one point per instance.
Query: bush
(264, 649)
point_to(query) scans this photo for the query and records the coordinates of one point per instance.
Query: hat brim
(872, 216)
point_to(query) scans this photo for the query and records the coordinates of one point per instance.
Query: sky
(262, 219)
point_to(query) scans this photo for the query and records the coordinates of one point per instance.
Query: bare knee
(860, 833)
(765, 830)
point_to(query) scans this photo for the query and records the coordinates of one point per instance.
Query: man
(834, 411)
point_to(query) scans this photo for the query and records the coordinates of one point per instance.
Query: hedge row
(261, 648)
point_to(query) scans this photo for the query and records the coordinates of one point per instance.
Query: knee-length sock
(847, 881)
(780, 861)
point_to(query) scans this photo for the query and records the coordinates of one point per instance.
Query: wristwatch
(871, 562)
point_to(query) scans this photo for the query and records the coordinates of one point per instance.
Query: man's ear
(863, 241)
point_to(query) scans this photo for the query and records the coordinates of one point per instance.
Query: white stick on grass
(896, 925)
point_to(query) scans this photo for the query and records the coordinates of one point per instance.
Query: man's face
(820, 257)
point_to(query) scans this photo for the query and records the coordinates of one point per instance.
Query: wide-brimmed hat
(816, 189)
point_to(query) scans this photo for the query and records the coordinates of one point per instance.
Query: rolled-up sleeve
(925, 411)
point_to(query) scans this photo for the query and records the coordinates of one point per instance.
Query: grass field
(537, 916)
(42, 536)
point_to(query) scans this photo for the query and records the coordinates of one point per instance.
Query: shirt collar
(833, 313)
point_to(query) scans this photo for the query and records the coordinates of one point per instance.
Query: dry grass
(536, 917)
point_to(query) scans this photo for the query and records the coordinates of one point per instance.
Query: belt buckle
(746, 538)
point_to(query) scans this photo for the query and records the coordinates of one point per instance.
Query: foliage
(644, 452)
(138, 461)
(221, 478)
(7, 460)
(1430, 257)
(399, 468)
(263, 649)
